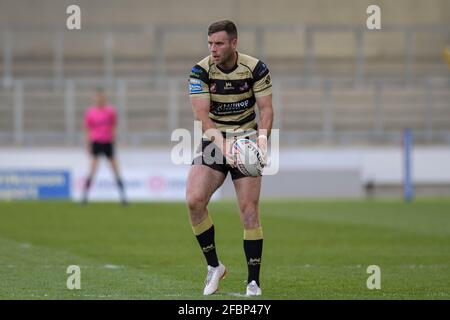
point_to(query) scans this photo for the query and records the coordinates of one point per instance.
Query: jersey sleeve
(262, 84)
(199, 82)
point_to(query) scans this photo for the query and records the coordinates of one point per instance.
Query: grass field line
(305, 266)
(312, 251)
(51, 266)
(359, 266)
(173, 289)
(26, 274)
(120, 296)
(33, 260)
(25, 246)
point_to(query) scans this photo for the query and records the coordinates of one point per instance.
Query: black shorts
(218, 163)
(106, 149)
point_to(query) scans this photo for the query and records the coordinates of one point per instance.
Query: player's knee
(250, 208)
(249, 214)
(196, 202)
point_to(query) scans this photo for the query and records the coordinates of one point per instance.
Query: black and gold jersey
(232, 92)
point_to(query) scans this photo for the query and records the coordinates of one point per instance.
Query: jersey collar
(234, 67)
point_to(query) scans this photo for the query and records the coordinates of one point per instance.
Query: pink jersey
(100, 122)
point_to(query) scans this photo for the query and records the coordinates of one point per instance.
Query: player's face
(100, 99)
(221, 47)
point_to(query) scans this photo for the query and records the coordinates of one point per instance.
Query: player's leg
(115, 168)
(92, 170)
(109, 152)
(248, 191)
(202, 182)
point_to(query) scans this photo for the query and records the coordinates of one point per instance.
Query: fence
(34, 112)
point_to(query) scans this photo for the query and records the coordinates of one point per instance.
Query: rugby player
(225, 87)
(100, 132)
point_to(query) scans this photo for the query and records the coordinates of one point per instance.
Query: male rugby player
(225, 87)
(100, 131)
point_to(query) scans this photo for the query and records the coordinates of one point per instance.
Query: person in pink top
(100, 127)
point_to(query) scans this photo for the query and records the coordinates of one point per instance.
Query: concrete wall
(304, 173)
(109, 12)
(303, 183)
(116, 13)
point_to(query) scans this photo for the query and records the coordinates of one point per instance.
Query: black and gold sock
(253, 244)
(204, 233)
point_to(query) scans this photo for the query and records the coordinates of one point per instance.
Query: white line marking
(112, 266)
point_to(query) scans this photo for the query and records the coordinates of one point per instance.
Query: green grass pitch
(312, 250)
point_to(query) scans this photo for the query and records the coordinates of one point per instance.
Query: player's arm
(262, 88)
(85, 129)
(265, 121)
(200, 107)
(201, 104)
(265, 115)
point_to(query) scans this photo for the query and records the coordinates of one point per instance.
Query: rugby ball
(247, 157)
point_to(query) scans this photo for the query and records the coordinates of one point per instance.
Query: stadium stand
(337, 82)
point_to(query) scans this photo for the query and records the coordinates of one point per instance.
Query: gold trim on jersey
(216, 74)
(230, 98)
(232, 117)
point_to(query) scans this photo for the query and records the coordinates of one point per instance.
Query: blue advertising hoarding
(35, 184)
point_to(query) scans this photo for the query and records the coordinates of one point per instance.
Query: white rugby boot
(253, 289)
(215, 274)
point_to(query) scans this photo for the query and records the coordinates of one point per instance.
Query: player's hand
(261, 141)
(230, 160)
(226, 151)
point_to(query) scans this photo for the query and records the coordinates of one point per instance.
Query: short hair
(224, 25)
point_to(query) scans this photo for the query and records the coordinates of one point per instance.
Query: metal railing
(148, 115)
(16, 127)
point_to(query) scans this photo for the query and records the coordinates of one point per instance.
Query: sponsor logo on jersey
(228, 86)
(213, 87)
(195, 86)
(231, 107)
(244, 87)
(263, 69)
(195, 72)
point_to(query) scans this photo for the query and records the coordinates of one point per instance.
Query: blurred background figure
(100, 127)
